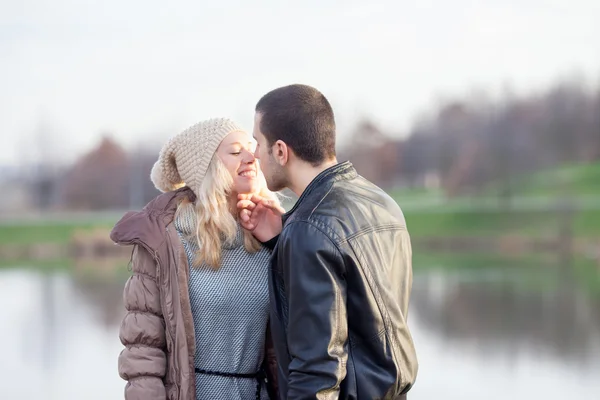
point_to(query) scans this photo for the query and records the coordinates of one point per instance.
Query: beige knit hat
(184, 159)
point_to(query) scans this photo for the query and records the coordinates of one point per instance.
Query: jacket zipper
(158, 278)
(176, 382)
(162, 307)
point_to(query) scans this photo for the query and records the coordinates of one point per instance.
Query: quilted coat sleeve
(143, 362)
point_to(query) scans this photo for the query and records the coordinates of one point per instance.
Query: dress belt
(259, 376)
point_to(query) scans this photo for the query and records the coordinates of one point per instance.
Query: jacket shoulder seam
(319, 203)
(328, 236)
(377, 228)
(325, 229)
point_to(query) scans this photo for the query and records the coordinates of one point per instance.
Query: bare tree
(99, 180)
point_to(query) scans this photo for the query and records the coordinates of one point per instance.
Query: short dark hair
(302, 117)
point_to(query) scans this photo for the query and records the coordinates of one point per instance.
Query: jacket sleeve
(271, 243)
(317, 332)
(143, 362)
(270, 366)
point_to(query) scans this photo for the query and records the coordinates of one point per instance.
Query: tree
(99, 180)
(373, 153)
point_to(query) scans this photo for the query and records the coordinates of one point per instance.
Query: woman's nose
(248, 157)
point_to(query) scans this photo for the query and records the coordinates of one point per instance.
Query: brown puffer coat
(158, 329)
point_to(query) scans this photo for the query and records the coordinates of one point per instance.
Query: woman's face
(236, 152)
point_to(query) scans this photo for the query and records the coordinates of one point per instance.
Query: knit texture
(184, 159)
(230, 307)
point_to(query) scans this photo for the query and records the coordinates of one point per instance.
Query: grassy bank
(50, 243)
(421, 223)
(536, 272)
(48, 232)
(532, 211)
(424, 260)
(528, 223)
(579, 179)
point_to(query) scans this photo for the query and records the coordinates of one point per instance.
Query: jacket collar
(148, 226)
(341, 171)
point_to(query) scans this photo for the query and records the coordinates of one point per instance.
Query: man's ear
(281, 152)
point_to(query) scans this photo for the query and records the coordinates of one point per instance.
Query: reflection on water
(499, 334)
(479, 335)
(507, 316)
(60, 337)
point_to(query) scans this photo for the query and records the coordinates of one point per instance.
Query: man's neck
(305, 173)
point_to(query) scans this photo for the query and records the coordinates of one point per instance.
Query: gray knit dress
(230, 307)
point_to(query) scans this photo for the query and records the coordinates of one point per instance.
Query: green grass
(582, 179)
(47, 232)
(535, 272)
(45, 265)
(119, 270)
(587, 274)
(424, 260)
(423, 223)
(429, 214)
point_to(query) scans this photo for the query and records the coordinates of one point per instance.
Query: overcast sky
(144, 70)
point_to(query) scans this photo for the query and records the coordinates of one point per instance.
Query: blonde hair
(215, 223)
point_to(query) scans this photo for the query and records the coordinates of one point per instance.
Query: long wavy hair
(215, 223)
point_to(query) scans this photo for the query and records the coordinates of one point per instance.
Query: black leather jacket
(341, 281)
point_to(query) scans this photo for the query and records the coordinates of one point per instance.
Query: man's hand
(260, 216)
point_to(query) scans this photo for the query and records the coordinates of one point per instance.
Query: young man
(342, 260)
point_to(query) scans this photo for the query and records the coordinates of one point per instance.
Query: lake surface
(488, 334)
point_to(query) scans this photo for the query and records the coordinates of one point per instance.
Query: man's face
(273, 172)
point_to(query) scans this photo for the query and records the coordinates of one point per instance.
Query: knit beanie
(184, 159)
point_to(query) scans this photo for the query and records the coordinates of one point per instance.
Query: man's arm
(317, 331)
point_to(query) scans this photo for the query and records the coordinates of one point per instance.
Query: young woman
(198, 301)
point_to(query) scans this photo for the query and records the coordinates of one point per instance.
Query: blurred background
(482, 119)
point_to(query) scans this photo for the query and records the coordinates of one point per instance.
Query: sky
(141, 71)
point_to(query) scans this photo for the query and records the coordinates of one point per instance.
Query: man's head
(292, 124)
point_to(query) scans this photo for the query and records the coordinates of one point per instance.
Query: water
(479, 335)
(498, 335)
